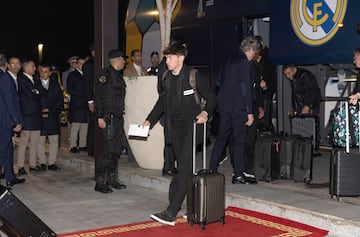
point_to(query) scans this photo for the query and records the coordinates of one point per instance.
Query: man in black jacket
(306, 95)
(178, 104)
(109, 109)
(88, 73)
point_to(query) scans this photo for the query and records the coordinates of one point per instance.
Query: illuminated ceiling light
(153, 13)
(341, 25)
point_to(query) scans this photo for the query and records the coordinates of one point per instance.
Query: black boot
(101, 185)
(113, 181)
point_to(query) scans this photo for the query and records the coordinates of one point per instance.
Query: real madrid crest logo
(316, 21)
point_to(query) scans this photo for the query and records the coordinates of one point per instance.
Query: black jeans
(182, 145)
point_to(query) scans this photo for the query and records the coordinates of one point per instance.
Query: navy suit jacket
(10, 114)
(236, 82)
(78, 106)
(30, 101)
(54, 102)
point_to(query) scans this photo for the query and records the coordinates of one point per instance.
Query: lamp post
(40, 52)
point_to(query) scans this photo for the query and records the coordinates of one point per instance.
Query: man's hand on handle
(101, 123)
(250, 120)
(202, 117)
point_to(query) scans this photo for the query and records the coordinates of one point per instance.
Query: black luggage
(306, 126)
(287, 146)
(266, 159)
(344, 168)
(18, 220)
(205, 192)
(302, 160)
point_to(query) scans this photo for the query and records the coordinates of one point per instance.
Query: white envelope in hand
(138, 130)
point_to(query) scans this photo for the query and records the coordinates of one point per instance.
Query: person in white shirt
(135, 68)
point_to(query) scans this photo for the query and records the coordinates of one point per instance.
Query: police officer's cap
(115, 53)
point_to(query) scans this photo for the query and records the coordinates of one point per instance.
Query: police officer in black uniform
(109, 109)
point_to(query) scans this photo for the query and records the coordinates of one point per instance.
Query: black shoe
(115, 184)
(103, 188)
(83, 149)
(164, 217)
(73, 150)
(35, 169)
(43, 167)
(249, 177)
(22, 171)
(14, 181)
(238, 180)
(169, 172)
(53, 167)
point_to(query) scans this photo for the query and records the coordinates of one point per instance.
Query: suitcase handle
(194, 147)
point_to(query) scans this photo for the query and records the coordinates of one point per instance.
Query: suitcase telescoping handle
(194, 148)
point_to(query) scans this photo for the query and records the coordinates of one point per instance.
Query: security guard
(109, 109)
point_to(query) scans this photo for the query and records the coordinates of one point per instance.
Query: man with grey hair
(235, 107)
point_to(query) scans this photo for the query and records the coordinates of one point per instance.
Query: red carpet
(238, 222)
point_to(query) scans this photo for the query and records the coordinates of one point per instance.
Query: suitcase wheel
(337, 198)
(202, 225)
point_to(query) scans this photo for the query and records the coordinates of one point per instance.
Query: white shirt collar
(29, 76)
(138, 69)
(12, 75)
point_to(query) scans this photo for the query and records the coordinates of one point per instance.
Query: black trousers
(182, 144)
(169, 154)
(232, 126)
(111, 149)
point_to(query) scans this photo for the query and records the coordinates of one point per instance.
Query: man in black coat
(51, 108)
(78, 108)
(235, 107)
(88, 72)
(109, 109)
(178, 104)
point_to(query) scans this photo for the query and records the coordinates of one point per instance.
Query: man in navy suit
(10, 121)
(78, 108)
(30, 93)
(51, 108)
(235, 107)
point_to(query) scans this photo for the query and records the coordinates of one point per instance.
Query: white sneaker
(185, 216)
(164, 217)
